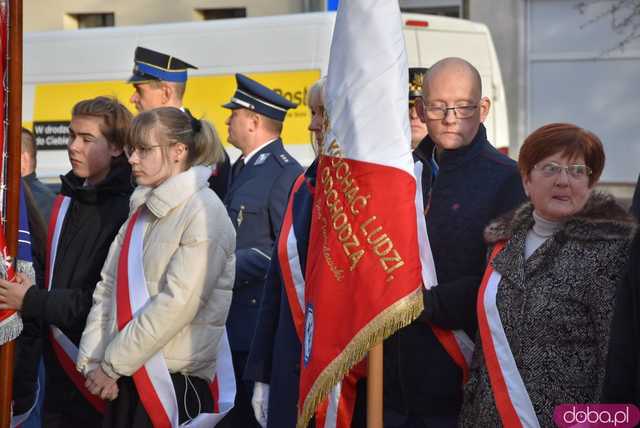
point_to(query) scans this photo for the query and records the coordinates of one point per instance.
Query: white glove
(260, 402)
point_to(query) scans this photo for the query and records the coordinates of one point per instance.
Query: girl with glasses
(160, 308)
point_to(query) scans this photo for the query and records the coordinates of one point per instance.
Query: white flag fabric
(366, 91)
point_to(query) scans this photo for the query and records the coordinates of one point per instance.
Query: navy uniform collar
(255, 152)
(269, 153)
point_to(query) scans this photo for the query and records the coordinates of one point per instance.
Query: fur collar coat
(555, 307)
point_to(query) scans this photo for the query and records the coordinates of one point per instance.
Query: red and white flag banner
(336, 411)
(10, 322)
(363, 271)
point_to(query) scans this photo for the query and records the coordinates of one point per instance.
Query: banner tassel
(399, 315)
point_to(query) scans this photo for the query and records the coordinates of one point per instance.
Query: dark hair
(565, 138)
(115, 117)
(174, 126)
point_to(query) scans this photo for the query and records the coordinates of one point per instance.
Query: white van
(287, 53)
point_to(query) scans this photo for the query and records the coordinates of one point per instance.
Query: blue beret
(152, 65)
(254, 96)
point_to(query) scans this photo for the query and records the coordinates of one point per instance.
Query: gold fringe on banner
(395, 317)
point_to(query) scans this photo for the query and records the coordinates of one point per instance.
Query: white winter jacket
(189, 267)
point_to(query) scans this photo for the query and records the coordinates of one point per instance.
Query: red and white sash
(65, 350)
(153, 380)
(509, 391)
(290, 267)
(456, 342)
(337, 410)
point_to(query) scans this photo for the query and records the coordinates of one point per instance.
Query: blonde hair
(172, 126)
(316, 91)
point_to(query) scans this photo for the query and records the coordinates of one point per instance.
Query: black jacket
(635, 202)
(92, 222)
(474, 185)
(622, 379)
(219, 180)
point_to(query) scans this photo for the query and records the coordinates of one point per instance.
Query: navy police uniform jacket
(256, 201)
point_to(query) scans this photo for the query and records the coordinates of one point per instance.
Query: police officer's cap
(256, 97)
(152, 65)
(416, 75)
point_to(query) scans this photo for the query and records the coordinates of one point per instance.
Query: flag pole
(13, 187)
(374, 387)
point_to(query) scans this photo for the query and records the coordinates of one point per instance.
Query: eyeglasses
(142, 151)
(461, 112)
(552, 169)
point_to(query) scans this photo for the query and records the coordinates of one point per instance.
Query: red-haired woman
(545, 303)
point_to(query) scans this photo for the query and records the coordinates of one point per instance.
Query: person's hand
(12, 293)
(99, 383)
(260, 402)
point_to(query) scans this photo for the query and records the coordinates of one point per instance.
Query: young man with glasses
(466, 183)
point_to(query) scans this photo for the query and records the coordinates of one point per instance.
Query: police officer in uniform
(261, 180)
(160, 80)
(418, 127)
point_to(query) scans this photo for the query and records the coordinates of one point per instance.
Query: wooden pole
(374, 387)
(6, 382)
(13, 187)
(15, 124)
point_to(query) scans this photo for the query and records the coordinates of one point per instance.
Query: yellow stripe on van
(204, 97)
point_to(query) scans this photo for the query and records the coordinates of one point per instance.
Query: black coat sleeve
(65, 308)
(622, 378)
(452, 305)
(219, 182)
(635, 203)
